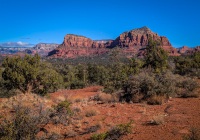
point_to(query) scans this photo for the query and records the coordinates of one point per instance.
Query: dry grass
(156, 100)
(90, 113)
(28, 100)
(105, 98)
(157, 119)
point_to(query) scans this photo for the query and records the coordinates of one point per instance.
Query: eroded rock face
(184, 50)
(132, 43)
(74, 45)
(139, 37)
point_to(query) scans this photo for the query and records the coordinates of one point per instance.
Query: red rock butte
(132, 43)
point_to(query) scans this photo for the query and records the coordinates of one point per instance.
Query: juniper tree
(29, 74)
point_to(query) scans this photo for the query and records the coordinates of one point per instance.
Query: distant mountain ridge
(42, 48)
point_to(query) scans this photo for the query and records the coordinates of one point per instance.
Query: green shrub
(154, 88)
(62, 113)
(30, 75)
(155, 57)
(77, 84)
(101, 136)
(63, 106)
(188, 65)
(189, 88)
(115, 133)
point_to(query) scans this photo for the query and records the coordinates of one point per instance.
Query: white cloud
(16, 44)
(21, 43)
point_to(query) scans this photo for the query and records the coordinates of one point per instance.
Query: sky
(48, 21)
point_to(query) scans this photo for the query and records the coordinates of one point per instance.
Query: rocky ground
(169, 121)
(175, 118)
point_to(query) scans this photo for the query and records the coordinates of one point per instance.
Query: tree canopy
(156, 57)
(29, 74)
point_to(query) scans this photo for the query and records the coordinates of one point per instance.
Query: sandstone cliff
(74, 45)
(136, 39)
(131, 42)
(139, 37)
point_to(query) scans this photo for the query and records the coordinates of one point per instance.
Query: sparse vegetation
(115, 133)
(90, 113)
(149, 80)
(24, 124)
(61, 113)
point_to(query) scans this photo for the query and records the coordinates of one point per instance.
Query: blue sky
(34, 21)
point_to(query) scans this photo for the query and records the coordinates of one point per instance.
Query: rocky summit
(131, 42)
(139, 37)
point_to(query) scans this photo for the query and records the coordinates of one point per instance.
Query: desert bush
(189, 88)
(76, 84)
(143, 84)
(90, 113)
(61, 113)
(156, 100)
(92, 129)
(115, 133)
(120, 130)
(101, 136)
(24, 124)
(63, 106)
(189, 84)
(106, 98)
(188, 65)
(167, 83)
(151, 87)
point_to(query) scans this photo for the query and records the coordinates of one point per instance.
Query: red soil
(178, 116)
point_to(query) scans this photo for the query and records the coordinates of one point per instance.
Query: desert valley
(137, 86)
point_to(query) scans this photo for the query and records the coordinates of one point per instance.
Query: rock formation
(74, 45)
(188, 51)
(139, 37)
(132, 43)
(136, 39)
